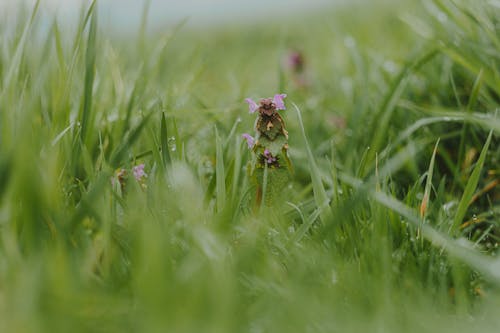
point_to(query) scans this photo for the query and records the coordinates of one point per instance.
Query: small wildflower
(278, 101)
(294, 64)
(250, 140)
(252, 106)
(295, 61)
(269, 157)
(138, 171)
(269, 149)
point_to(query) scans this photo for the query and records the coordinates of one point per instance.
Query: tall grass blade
(320, 196)
(428, 184)
(470, 187)
(220, 190)
(15, 62)
(90, 59)
(165, 150)
(487, 266)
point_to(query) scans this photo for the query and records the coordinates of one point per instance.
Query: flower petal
(138, 171)
(252, 106)
(278, 101)
(250, 140)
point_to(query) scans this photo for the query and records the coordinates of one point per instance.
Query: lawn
(130, 200)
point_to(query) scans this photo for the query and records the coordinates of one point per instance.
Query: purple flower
(295, 61)
(250, 140)
(278, 101)
(252, 106)
(269, 157)
(138, 171)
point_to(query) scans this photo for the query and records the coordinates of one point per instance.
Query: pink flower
(252, 106)
(278, 101)
(250, 140)
(295, 61)
(138, 171)
(269, 157)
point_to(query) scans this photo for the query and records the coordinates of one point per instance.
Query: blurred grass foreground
(125, 201)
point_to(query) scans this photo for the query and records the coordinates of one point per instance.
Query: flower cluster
(271, 137)
(268, 157)
(270, 142)
(121, 176)
(269, 148)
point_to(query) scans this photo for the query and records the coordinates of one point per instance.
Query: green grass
(401, 113)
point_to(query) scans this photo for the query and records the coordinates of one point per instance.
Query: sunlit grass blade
(320, 195)
(90, 59)
(465, 128)
(489, 267)
(220, 173)
(487, 121)
(15, 61)
(428, 184)
(470, 187)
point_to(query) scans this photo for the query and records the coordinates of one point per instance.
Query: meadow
(126, 203)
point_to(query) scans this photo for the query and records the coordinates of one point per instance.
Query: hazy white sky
(128, 12)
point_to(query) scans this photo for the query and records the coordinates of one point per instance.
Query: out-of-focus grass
(185, 251)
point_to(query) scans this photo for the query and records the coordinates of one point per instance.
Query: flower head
(252, 106)
(138, 172)
(250, 140)
(267, 105)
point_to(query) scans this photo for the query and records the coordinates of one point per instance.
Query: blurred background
(126, 14)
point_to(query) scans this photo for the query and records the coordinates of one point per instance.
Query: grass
(391, 221)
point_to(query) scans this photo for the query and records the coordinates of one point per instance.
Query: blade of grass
(15, 63)
(489, 267)
(472, 101)
(320, 195)
(220, 188)
(90, 59)
(428, 184)
(165, 150)
(470, 187)
(485, 120)
(237, 167)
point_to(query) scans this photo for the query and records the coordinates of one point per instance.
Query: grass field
(390, 221)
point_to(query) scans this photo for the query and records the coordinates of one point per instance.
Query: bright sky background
(127, 13)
